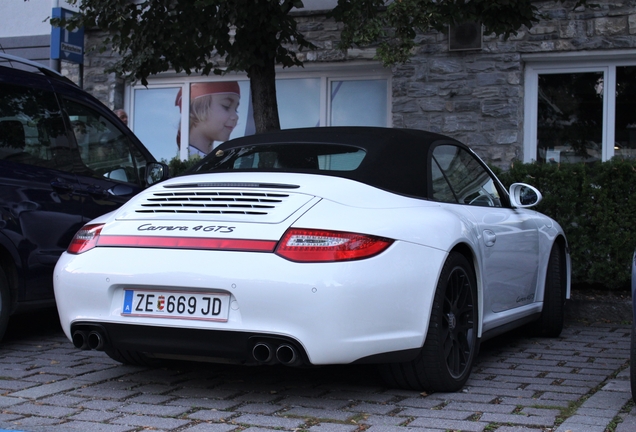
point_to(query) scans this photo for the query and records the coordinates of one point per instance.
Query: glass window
(579, 110)
(570, 117)
(466, 181)
(298, 102)
(625, 117)
(104, 149)
(359, 103)
(322, 157)
(32, 130)
(156, 120)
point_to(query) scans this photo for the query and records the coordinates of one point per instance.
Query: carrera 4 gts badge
(209, 228)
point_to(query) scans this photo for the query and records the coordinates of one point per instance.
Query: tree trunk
(263, 86)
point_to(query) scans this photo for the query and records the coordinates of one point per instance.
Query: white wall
(27, 18)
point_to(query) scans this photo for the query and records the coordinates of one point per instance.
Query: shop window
(165, 115)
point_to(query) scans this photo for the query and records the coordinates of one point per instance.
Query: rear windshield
(284, 157)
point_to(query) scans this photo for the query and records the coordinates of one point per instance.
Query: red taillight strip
(187, 243)
(311, 245)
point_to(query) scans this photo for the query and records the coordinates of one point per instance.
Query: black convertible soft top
(390, 159)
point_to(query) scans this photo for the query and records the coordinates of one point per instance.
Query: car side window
(457, 176)
(103, 147)
(32, 129)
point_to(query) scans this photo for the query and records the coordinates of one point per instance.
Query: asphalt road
(577, 382)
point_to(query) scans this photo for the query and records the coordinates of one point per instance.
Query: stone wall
(474, 96)
(477, 96)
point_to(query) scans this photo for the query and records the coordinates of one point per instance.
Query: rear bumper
(208, 345)
(335, 313)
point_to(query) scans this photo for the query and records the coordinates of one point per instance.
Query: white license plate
(181, 305)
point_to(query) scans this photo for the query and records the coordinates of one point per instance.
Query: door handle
(62, 186)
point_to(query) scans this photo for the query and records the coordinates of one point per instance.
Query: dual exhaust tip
(88, 340)
(263, 352)
(285, 354)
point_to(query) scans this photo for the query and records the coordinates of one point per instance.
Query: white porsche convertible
(319, 246)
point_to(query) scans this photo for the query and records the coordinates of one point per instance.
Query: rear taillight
(307, 245)
(85, 239)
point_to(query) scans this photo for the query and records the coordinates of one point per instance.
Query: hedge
(596, 206)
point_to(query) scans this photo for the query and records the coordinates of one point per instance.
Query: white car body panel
(334, 296)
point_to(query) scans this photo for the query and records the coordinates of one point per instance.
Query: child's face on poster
(222, 118)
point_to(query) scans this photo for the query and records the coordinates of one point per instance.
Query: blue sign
(66, 45)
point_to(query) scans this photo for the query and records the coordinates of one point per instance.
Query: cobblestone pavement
(578, 382)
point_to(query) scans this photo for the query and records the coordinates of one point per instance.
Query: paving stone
(150, 422)
(468, 426)
(211, 427)
(211, 415)
(46, 389)
(94, 416)
(268, 421)
(204, 403)
(95, 427)
(330, 427)
(316, 403)
(528, 420)
(259, 408)
(385, 420)
(370, 408)
(319, 414)
(42, 410)
(155, 410)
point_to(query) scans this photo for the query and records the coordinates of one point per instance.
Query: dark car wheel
(553, 314)
(632, 361)
(5, 302)
(446, 359)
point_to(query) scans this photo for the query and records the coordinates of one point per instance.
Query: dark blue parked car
(64, 159)
(632, 360)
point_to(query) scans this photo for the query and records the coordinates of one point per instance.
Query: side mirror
(156, 172)
(524, 196)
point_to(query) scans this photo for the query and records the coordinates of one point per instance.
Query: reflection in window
(298, 102)
(156, 120)
(103, 147)
(625, 120)
(458, 177)
(322, 157)
(570, 117)
(359, 103)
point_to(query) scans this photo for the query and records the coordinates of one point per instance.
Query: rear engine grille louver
(237, 203)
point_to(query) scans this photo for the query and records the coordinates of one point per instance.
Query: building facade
(562, 91)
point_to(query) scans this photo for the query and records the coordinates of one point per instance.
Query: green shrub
(178, 166)
(596, 206)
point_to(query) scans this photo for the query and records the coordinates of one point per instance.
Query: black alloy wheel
(446, 359)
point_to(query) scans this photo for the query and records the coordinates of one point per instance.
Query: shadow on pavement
(39, 323)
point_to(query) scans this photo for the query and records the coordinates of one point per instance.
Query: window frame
(605, 62)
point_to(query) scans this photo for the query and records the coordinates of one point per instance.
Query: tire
(5, 302)
(446, 359)
(632, 362)
(550, 324)
(133, 358)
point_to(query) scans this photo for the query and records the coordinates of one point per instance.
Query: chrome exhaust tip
(262, 353)
(286, 354)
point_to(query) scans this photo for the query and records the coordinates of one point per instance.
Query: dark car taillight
(85, 239)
